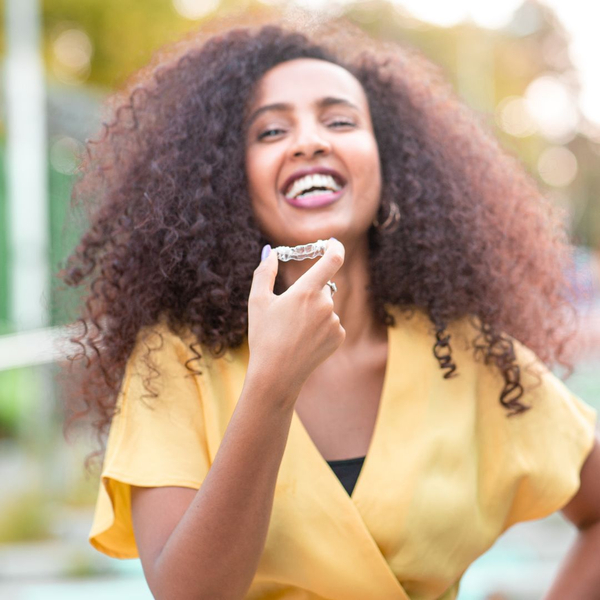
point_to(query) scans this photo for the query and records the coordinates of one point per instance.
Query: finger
(263, 280)
(326, 267)
(330, 289)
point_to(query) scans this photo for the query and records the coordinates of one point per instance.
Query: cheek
(366, 165)
(260, 174)
(260, 182)
(252, 173)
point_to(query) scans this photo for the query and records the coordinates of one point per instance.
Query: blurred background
(528, 67)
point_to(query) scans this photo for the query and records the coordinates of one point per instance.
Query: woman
(229, 385)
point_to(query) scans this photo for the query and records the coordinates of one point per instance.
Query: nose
(309, 142)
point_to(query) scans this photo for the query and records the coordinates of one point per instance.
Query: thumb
(266, 272)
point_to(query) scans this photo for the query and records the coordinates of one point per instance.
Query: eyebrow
(284, 107)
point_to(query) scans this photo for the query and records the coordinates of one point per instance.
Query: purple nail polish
(265, 252)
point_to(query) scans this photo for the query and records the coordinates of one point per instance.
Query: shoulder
(163, 361)
(160, 345)
(476, 372)
(161, 342)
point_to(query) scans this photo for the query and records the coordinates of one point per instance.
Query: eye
(266, 133)
(342, 123)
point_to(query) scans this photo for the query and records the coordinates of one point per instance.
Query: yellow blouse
(446, 472)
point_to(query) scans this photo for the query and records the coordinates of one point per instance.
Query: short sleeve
(550, 442)
(157, 438)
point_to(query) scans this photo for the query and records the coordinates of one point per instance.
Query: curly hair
(172, 236)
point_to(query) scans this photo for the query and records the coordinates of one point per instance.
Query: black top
(347, 471)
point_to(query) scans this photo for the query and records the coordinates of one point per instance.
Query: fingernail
(265, 252)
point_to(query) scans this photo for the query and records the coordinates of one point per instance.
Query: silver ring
(332, 286)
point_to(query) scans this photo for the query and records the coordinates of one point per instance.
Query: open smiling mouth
(313, 191)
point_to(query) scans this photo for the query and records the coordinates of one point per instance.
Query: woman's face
(311, 156)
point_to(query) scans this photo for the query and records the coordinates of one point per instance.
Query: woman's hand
(208, 543)
(296, 331)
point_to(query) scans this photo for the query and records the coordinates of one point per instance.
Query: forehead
(304, 79)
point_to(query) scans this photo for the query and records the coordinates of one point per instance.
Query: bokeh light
(195, 9)
(553, 107)
(513, 117)
(71, 56)
(64, 154)
(448, 14)
(580, 18)
(445, 14)
(576, 16)
(493, 15)
(557, 166)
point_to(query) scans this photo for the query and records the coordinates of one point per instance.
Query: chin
(310, 237)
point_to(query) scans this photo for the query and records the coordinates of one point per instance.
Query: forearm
(215, 549)
(579, 576)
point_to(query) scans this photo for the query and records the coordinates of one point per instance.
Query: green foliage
(25, 518)
(64, 235)
(9, 408)
(124, 32)
(82, 566)
(18, 389)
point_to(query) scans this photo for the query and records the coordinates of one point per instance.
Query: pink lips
(316, 201)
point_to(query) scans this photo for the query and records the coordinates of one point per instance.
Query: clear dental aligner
(285, 253)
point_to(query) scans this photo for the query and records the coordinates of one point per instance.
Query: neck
(351, 301)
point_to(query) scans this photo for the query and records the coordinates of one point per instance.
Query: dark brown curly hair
(172, 235)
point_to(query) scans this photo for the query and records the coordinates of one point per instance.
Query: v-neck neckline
(375, 435)
(329, 494)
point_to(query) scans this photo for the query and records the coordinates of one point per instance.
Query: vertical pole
(28, 215)
(26, 168)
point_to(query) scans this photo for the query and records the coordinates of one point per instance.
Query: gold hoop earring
(391, 223)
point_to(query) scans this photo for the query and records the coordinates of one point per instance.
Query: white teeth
(309, 194)
(311, 181)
